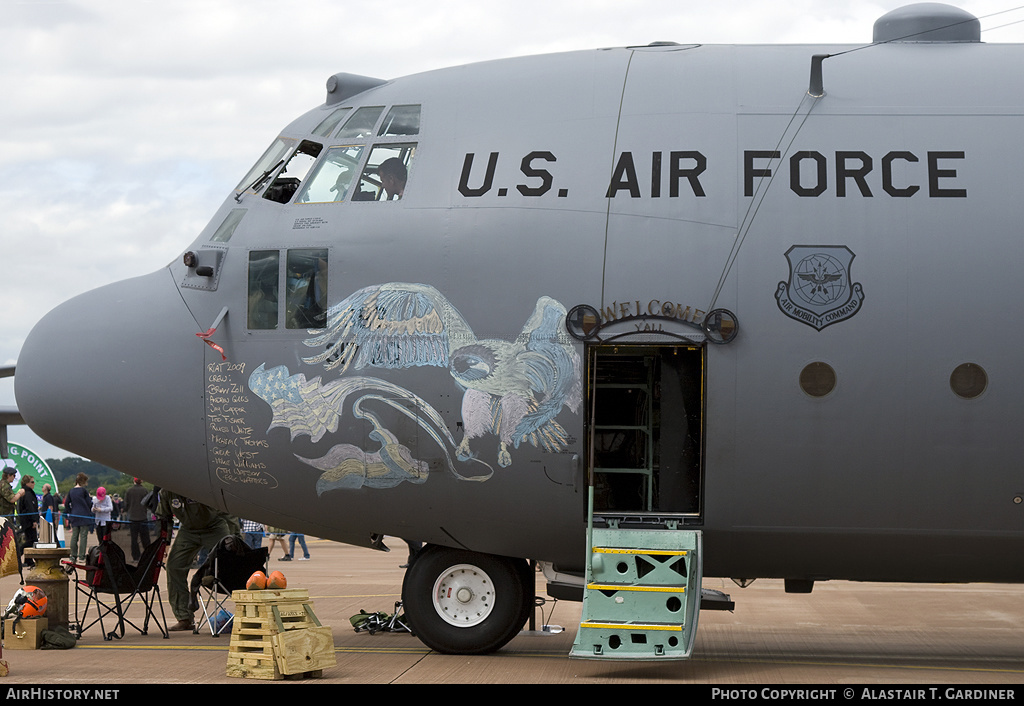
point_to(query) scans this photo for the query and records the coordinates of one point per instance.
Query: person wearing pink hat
(102, 506)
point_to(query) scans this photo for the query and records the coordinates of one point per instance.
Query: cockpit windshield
(368, 161)
(287, 182)
(333, 176)
(386, 172)
(266, 164)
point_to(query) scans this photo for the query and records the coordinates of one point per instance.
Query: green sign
(27, 463)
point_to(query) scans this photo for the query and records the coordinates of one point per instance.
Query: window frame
(285, 297)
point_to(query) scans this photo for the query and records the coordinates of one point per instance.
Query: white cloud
(125, 123)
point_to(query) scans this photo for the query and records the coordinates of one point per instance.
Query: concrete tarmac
(842, 634)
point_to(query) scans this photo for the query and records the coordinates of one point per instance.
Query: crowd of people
(86, 516)
(82, 514)
(79, 512)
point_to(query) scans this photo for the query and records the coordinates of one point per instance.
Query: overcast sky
(125, 123)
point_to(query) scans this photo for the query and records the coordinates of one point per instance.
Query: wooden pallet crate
(276, 635)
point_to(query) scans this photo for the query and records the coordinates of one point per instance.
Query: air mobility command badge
(819, 292)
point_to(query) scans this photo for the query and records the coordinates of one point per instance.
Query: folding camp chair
(106, 573)
(226, 569)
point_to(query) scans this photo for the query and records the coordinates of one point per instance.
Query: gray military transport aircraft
(638, 314)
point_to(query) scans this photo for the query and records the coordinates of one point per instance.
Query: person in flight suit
(201, 527)
(9, 502)
(8, 498)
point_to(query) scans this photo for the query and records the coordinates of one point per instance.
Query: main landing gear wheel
(460, 602)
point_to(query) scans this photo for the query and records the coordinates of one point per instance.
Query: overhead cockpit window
(327, 125)
(331, 179)
(386, 172)
(401, 120)
(306, 298)
(264, 269)
(287, 181)
(361, 123)
(266, 165)
(227, 228)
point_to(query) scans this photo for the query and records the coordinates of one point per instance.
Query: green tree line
(65, 470)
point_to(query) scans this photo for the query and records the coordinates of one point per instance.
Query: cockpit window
(305, 283)
(401, 120)
(265, 166)
(333, 176)
(287, 181)
(361, 123)
(264, 267)
(227, 227)
(306, 299)
(386, 172)
(327, 125)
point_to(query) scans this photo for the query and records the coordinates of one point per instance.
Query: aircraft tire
(462, 602)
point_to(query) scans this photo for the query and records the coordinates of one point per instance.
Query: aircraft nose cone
(115, 375)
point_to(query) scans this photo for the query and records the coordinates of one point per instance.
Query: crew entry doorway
(646, 428)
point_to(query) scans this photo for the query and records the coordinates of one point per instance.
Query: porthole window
(968, 380)
(817, 379)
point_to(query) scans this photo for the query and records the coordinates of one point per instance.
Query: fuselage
(872, 232)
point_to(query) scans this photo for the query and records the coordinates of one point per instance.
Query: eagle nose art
(115, 375)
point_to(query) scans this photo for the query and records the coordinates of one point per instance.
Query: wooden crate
(26, 635)
(305, 651)
(275, 635)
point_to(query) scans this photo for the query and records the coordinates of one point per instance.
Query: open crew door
(647, 430)
(644, 569)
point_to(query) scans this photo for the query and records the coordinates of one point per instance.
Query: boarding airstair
(642, 593)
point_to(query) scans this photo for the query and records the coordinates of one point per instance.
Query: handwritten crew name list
(238, 457)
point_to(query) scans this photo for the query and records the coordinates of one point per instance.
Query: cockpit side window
(306, 286)
(361, 123)
(333, 176)
(227, 227)
(264, 269)
(386, 172)
(287, 181)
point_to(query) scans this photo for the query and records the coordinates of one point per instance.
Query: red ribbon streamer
(211, 344)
